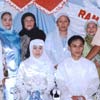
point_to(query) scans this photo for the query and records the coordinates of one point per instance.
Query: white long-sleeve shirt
(77, 78)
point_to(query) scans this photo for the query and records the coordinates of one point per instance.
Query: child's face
(29, 23)
(37, 51)
(76, 48)
(91, 28)
(63, 23)
(7, 21)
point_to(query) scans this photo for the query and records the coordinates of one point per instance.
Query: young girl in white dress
(35, 77)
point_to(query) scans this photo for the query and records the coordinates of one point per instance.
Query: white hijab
(43, 60)
(54, 44)
(36, 71)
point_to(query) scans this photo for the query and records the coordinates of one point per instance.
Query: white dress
(77, 78)
(35, 75)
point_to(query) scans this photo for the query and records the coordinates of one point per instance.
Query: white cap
(91, 21)
(59, 15)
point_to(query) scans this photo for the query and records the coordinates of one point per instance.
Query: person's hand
(78, 98)
(75, 97)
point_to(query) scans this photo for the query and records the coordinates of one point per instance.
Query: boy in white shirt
(76, 76)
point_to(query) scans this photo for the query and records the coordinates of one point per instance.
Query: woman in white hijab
(35, 75)
(56, 41)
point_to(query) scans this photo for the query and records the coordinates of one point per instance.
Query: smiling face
(37, 51)
(63, 23)
(91, 28)
(76, 48)
(29, 22)
(7, 21)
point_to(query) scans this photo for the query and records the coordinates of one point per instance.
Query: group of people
(34, 64)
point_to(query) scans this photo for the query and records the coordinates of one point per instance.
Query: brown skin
(29, 23)
(93, 52)
(37, 51)
(63, 24)
(91, 28)
(76, 97)
(7, 21)
(76, 49)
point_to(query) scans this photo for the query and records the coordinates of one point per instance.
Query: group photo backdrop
(45, 11)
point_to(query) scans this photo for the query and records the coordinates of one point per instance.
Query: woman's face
(91, 29)
(29, 22)
(7, 21)
(63, 23)
(37, 51)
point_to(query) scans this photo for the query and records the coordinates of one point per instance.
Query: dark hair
(26, 15)
(5, 14)
(39, 35)
(75, 37)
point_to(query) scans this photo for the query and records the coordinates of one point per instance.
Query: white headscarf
(57, 16)
(91, 21)
(54, 44)
(36, 71)
(43, 59)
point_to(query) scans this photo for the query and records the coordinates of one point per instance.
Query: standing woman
(91, 31)
(11, 52)
(29, 28)
(56, 41)
(35, 76)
